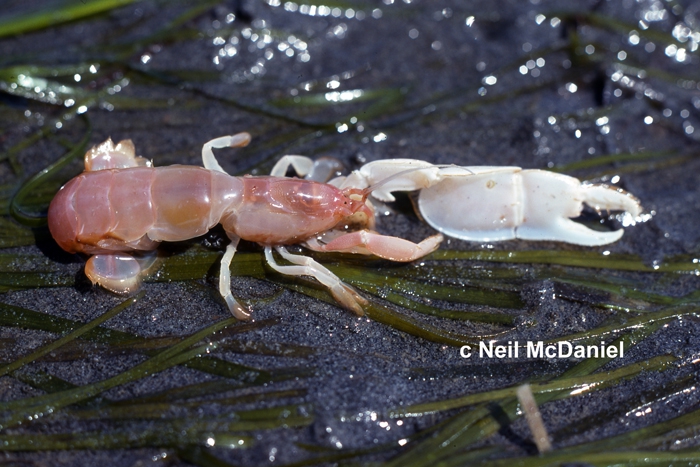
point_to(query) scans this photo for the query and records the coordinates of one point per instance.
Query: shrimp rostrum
(121, 207)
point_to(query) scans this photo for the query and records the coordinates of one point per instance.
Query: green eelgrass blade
(37, 407)
(42, 380)
(55, 15)
(362, 277)
(481, 421)
(664, 432)
(70, 336)
(631, 323)
(586, 259)
(12, 234)
(119, 342)
(610, 159)
(159, 411)
(171, 435)
(385, 315)
(577, 384)
(31, 185)
(599, 459)
(14, 316)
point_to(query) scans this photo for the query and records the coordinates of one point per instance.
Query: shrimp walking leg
(325, 169)
(320, 170)
(225, 280)
(304, 266)
(384, 246)
(302, 166)
(238, 140)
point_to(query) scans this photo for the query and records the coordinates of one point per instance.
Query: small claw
(371, 243)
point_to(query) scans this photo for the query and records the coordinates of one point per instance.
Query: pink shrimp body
(135, 208)
(121, 207)
(282, 211)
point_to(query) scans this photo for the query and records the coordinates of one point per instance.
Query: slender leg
(304, 266)
(302, 166)
(234, 141)
(320, 170)
(225, 281)
(371, 243)
(324, 169)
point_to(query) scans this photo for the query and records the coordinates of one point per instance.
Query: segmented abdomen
(135, 208)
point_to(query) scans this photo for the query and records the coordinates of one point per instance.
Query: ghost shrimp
(121, 207)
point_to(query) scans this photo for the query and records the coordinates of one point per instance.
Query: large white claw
(513, 203)
(487, 203)
(497, 203)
